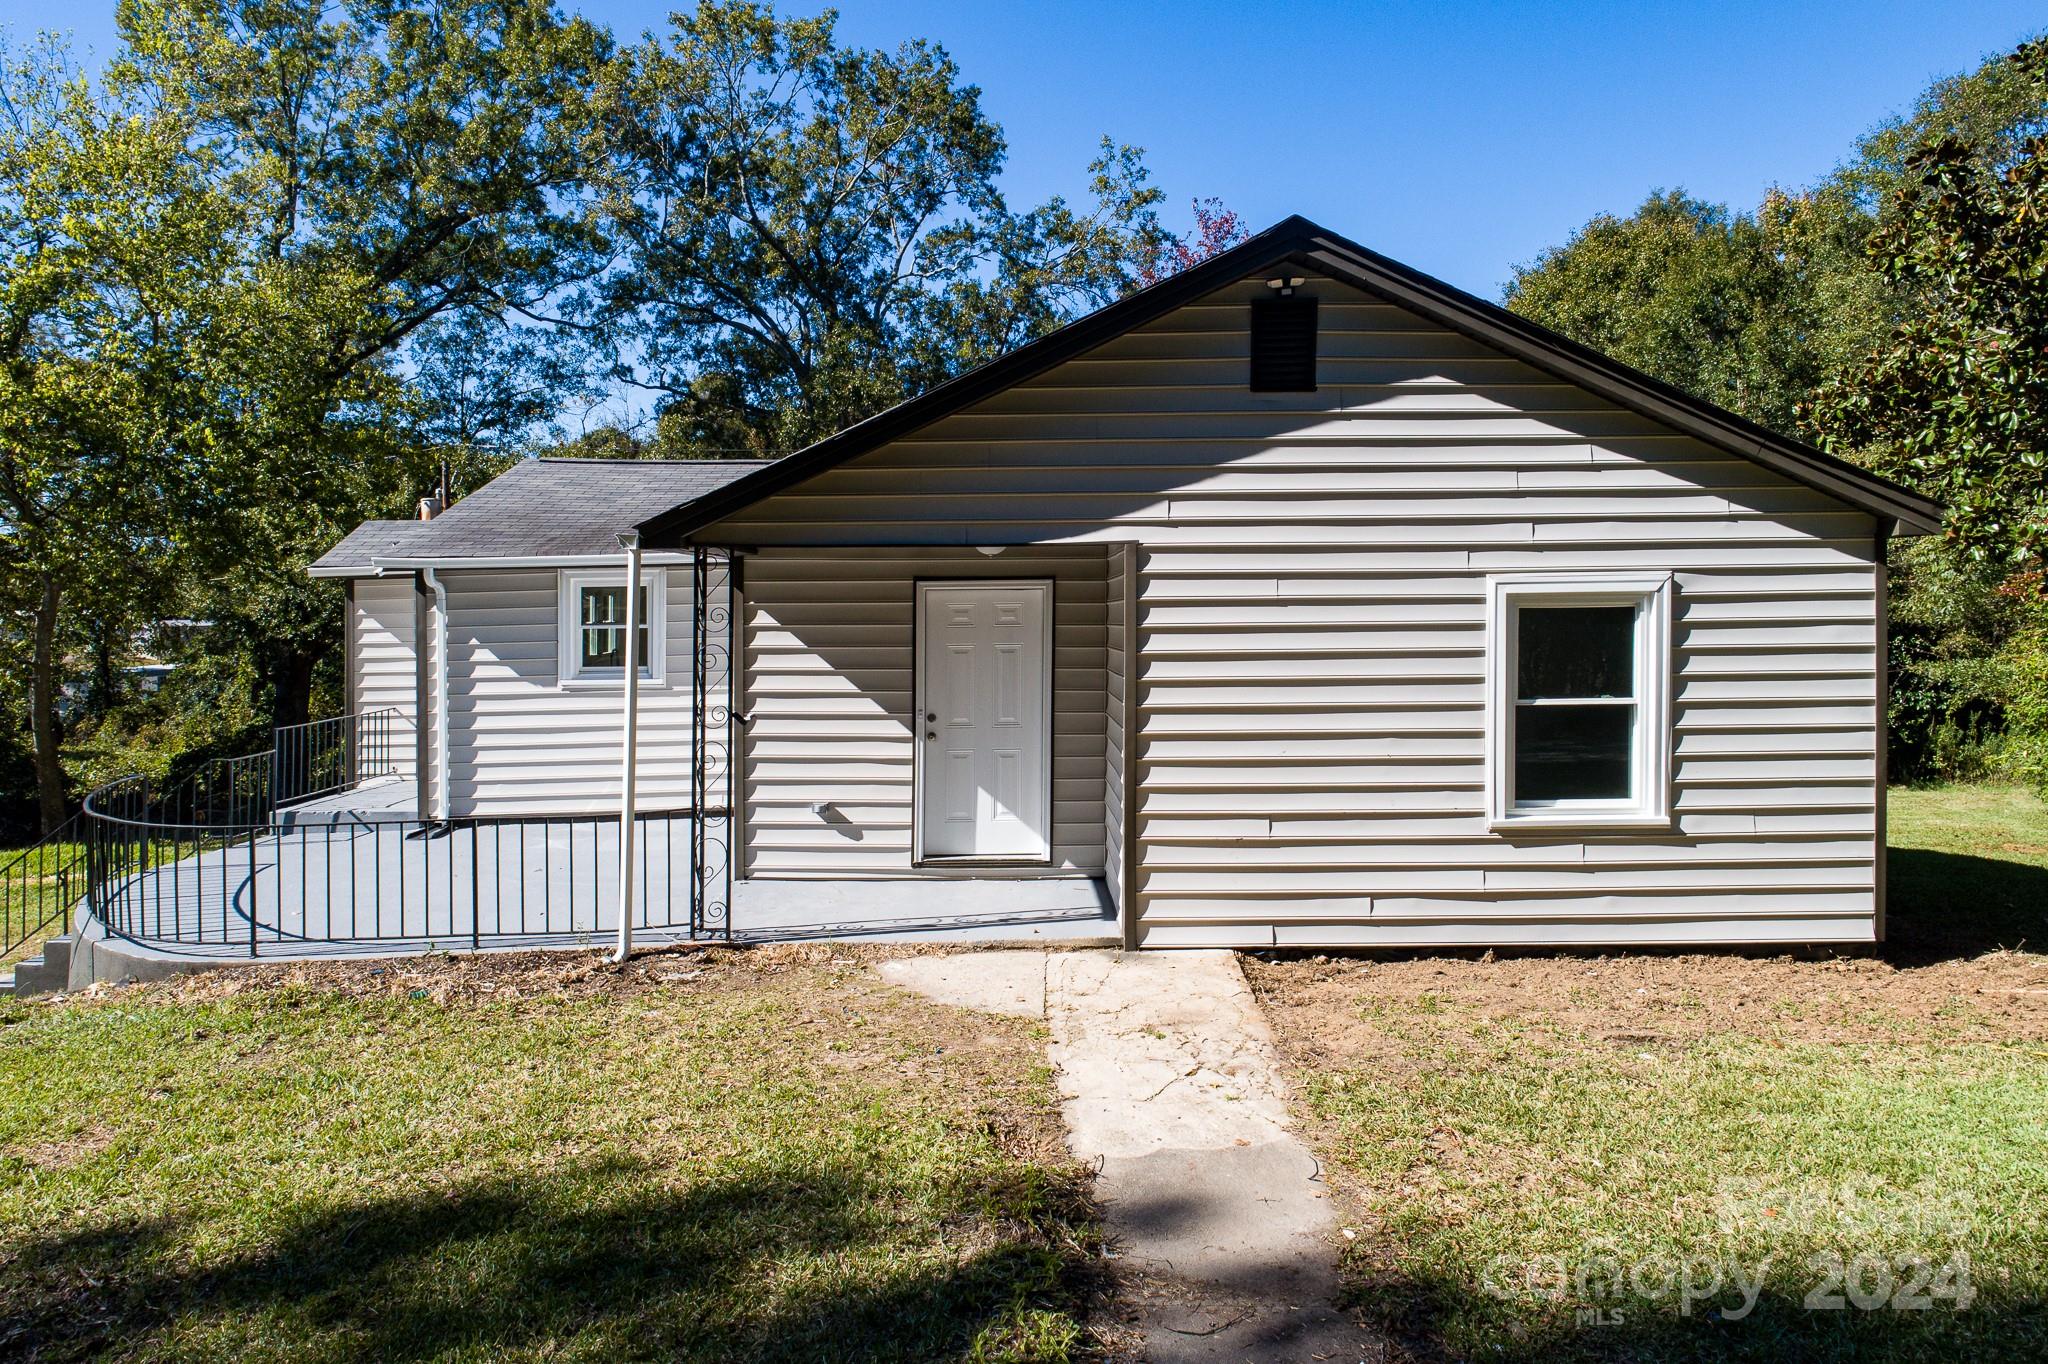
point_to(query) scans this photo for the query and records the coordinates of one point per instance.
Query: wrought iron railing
(39, 886)
(162, 873)
(210, 866)
(303, 762)
(714, 581)
(335, 754)
(229, 792)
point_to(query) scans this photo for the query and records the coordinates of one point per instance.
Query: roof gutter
(345, 571)
(382, 565)
(407, 565)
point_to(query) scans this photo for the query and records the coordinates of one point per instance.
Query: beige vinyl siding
(383, 665)
(519, 742)
(831, 702)
(1310, 649)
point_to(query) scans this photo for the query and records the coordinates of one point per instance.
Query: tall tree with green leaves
(115, 250)
(1995, 111)
(1701, 297)
(411, 163)
(1757, 310)
(810, 233)
(1956, 401)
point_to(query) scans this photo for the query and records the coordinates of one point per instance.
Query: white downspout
(629, 748)
(438, 779)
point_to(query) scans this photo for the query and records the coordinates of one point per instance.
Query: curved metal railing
(167, 870)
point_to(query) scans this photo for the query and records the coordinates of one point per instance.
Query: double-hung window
(593, 621)
(1578, 702)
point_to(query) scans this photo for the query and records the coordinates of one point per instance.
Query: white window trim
(1649, 805)
(570, 674)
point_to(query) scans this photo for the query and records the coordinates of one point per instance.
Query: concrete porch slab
(350, 890)
(386, 800)
(1072, 909)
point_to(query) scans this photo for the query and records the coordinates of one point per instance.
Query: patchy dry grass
(1540, 1154)
(702, 1156)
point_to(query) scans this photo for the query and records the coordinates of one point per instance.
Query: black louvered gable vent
(1284, 345)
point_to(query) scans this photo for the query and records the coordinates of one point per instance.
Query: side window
(601, 627)
(1578, 701)
(593, 627)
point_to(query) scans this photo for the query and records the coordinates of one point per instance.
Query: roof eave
(1897, 508)
(1626, 386)
(400, 563)
(1275, 244)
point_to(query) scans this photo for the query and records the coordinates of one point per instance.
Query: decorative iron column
(713, 675)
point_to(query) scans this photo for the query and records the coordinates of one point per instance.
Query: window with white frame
(1579, 699)
(593, 621)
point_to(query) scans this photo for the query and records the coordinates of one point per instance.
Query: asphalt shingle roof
(541, 508)
(371, 540)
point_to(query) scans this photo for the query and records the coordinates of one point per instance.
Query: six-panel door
(984, 719)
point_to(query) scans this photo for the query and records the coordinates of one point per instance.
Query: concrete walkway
(1170, 1086)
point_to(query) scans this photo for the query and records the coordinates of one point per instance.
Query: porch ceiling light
(990, 550)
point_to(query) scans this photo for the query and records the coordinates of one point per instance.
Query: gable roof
(1298, 240)
(538, 508)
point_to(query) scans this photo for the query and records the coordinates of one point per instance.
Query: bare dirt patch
(59, 1153)
(1326, 1010)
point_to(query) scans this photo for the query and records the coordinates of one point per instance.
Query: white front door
(984, 713)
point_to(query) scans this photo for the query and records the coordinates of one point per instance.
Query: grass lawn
(1539, 1155)
(704, 1156)
(1969, 872)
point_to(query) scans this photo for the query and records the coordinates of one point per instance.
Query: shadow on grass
(1452, 1319)
(1942, 905)
(600, 1264)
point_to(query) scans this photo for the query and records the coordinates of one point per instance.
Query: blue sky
(1460, 139)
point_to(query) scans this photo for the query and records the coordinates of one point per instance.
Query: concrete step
(29, 977)
(45, 974)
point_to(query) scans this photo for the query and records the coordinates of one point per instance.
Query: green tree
(114, 248)
(1995, 111)
(809, 233)
(1955, 403)
(1711, 301)
(607, 441)
(409, 163)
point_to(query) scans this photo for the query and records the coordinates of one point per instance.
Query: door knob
(931, 734)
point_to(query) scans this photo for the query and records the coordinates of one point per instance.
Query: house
(521, 584)
(1303, 599)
